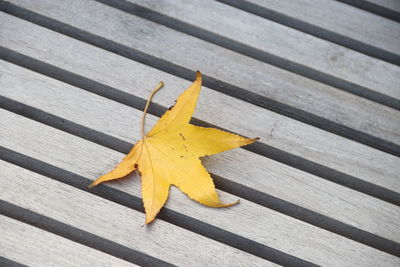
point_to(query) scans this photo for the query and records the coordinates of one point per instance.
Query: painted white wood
(88, 159)
(278, 131)
(32, 246)
(241, 166)
(283, 41)
(342, 19)
(115, 222)
(192, 53)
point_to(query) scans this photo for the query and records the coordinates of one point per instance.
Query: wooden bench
(317, 81)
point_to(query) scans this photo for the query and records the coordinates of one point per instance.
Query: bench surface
(317, 81)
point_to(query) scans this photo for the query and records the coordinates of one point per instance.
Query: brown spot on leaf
(182, 136)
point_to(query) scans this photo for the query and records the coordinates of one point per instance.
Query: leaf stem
(158, 87)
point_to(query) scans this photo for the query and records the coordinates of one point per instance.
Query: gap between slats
(95, 104)
(314, 30)
(252, 52)
(157, 110)
(226, 185)
(9, 263)
(212, 83)
(78, 235)
(135, 203)
(373, 8)
(141, 103)
(27, 244)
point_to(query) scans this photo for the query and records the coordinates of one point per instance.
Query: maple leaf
(169, 155)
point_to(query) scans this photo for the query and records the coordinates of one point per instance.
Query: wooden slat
(234, 68)
(281, 132)
(114, 222)
(284, 42)
(227, 66)
(341, 19)
(259, 173)
(32, 246)
(386, 8)
(393, 5)
(272, 228)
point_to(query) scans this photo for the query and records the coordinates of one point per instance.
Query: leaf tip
(149, 220)
(229, 204)
(234, 203)
(252, 140)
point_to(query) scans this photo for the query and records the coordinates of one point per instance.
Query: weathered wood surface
(284, 42)
(32, 246)
(230, 67)
(272, 228)
(389, 4)
(113, 221)
(258, 172)
(74, 77)
(339, 18)
(386, 8)
(276, 130)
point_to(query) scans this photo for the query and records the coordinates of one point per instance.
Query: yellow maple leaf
(169, 155)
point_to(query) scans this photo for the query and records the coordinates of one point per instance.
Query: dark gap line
(125, 98)
(65, 125)
(308, 216)
(78, 235)
(157, 110)
(10, 263)
(314, 30)
(283, 109)
(325, 172)
(212, 83)
(135, 203)
(224, 184)
(255, 53)
(280, 154)
(374, 8)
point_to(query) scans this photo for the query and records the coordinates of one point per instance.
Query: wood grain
(342, 19)
(393, 5)
(386, 8)
(241, 166)
(227, 66)
(275, 130)
(115, 222)
(272, 228)
(284, 42)
(32, 246)
(108, 127)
